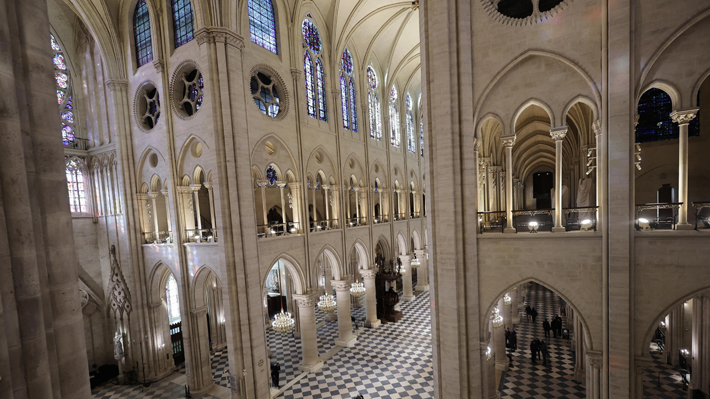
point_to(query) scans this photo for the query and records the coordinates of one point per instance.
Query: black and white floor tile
(526, 379)
(662, 380)
(392, 361)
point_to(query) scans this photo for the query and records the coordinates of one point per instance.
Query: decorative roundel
(188, 90)
(346, 62)
(311, 36)
(147, 106)
(268, 91)
(522, 12)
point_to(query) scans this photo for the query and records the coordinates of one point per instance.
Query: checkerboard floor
(533, 380)
(662, 380)
(392, 361)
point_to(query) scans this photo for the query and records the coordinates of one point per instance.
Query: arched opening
(517, 331)
(275, 202)
(172, 305)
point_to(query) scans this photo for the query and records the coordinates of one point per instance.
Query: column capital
(595, 358)
(164, 192)
(281, 184)
(199, 311)
(262, 183)
(153, 195)
(305, 301)
(184, 189)
(341, 285)
(597, 127)
(405, 259)
(195, 187)
(420, 253)
(476, 144)
(295, 73)
(294, 185)
(368, 273)
(508, 141)
(325, 187)
(683, 117)
(558, 133)
(208, 185)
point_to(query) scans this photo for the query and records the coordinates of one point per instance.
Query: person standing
(545, 353)
(275, 369)
(527, 312)
(533, 313)
(559, 326)
(513, 340)
(533, 350)
(546, 327)
(554, 326)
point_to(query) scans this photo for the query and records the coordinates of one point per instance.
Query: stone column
(407, 295)
(356, 191)
(558, 134)
(489, 372)
(683, 118)
(499, 342)
(196, 206)
(508, 142)
(213, 220)
(329, 316)
(309, 338)
(579, 371)
(508, 313)
(282, 185)
(201, 366)
(640, 364)
(296, 207)
(156, 228)
(348, 213)
(368, 276)
(594, 359)
(325, 202)
(597, 128)
(167, 212)
(363, 204)
(345, 323)
(422, 271)
(698, 330)
(515, 312)
(674, 335)
(262, 184)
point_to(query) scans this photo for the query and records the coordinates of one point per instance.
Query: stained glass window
(347, 92)
(376, 187)
(265, 94)
(62, 79)
(421, 136)
(141, 34)
(262, 27)
(76, 185)
(172, 300)
(271, 175)
(313, 71)
(183, 26)
(317, 182)
(411, 144)
(395, 139)
(655, 123)
(310, 85)
(373, 105)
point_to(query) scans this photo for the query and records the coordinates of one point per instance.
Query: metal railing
(702, 219)
(657, 216)
(543, 218)
(201, 235)
(277, 229)
(400, 216)
(580, 218)
(78, 144)
(160, 237)
(415, 215)
(354, 222)
(323, 225)
(491, 221)
(380, 219)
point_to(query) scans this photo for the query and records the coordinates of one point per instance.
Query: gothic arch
(401, 244)
(528, 103)
(185, 154)
(417, 240)
(336, 265)
(361, 249)
(263, 155)
(297, 275)
(667, 87)
(198, 285)
(158, 278)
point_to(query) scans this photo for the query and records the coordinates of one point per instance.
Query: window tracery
(347, 92)
(265, 94)
(262, 25)
(395, 139)
(655, 123)
(313, 71)
(411, 144)
(64, 93)
(421, 136)
(183, 24)
(172, 300)
(373, 105)
(141, 34)
(76, 184)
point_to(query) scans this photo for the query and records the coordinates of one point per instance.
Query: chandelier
(283, 322)
(327, 303)
(357, 289)
(507, 300)
(489, 355)
(415, 263)
(497, 318)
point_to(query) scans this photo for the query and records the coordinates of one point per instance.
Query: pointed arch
(294, 268)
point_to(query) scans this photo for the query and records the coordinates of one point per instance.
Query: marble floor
(533, 380)
(662, 380)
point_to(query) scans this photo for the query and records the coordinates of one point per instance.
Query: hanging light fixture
(507, 300)
(357, 289)
(415, 263)
(489, 354)
(497, 318)
(327, 303)
(283, 322)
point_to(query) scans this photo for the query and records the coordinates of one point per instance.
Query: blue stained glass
(141, 34)
(353, 106)
(262, 27)
(59, 62)
(310, 85)
(320, 85)
(183, 24)
(344, 102)
(311, 36)
(55, 45)
(655, 123)
(376, 186)
(308, 179)
(395, 139)
(271, 175)
(346, 62)
(411, 147)
(421, 136)
(373, 105)
(317, 182)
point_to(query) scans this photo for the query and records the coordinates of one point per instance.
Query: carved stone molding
(683, 117)
(508, 141)
(216, 34)
(341, 285)
(558, 133)
(119, 294)
(158, 65)
(117, 84)
(597, 127)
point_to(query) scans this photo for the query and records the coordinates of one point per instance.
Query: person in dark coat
(533, 350)
(275, 369)
(527, 312)
(554, 326)
(559, 326)
(533, 313)
(513, 340)
(546, 327)
(507, 338)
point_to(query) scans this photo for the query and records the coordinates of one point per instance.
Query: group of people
(530, 312)
(538, 348)
(555, 326)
